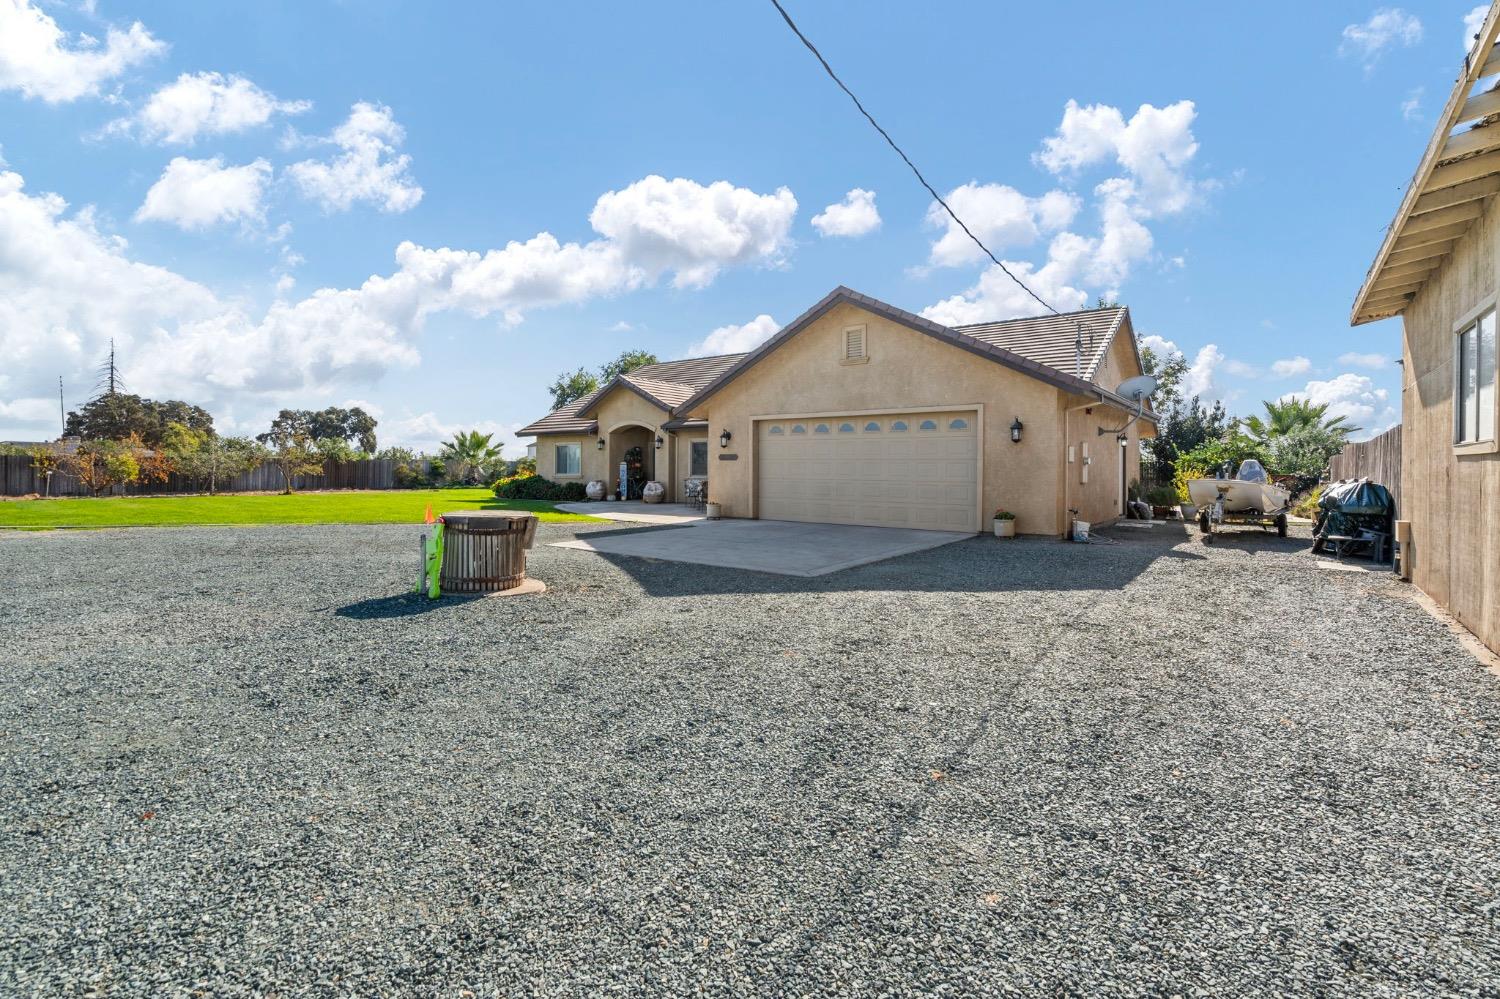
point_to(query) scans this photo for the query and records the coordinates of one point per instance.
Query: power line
(892, 143)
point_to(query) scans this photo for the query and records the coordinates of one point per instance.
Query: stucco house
(1439, 270)
(858, 412)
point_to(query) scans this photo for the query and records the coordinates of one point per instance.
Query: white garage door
(916, 470)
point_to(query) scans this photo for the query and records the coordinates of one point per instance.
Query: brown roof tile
(1052, 340)
(669, 383)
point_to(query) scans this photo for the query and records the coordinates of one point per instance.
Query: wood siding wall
(18, 479)
(1452, 500)
(1377, 459)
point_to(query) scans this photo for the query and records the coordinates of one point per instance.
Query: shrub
(1307, 506)
(1161, 496)
(409, 476)
(534, 487)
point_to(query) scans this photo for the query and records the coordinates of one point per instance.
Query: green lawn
(394, 506)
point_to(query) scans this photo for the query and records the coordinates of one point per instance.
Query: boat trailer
(1214, 517)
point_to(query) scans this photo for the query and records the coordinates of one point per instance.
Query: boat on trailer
(1249, 499)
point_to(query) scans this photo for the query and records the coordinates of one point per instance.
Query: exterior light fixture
(1015, 430)
(725, 438)
(659, 443)
(601, 444)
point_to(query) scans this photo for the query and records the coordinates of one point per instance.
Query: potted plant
(1004, 524)
(1163, 500)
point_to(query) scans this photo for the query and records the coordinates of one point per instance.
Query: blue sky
(434, 210)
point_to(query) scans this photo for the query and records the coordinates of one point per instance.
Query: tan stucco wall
(906, 370)
(1453, 502)
(1098, 500)
(684, 456)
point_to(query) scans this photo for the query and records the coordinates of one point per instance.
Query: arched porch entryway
(635, 445)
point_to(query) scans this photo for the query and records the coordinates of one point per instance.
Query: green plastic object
(432, 562)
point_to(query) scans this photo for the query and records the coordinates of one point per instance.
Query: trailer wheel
(1281, 526)
(1203, 522)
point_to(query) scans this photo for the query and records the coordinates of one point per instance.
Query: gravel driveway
(240, 762)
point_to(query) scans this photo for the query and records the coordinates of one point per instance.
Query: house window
(821, 428)
(1474, 395)
(846, 428)
(569, 459)
(872, 427)
(777, 430)
(959, 425)
(698, 462)
(855, 345)
(898, 427)
(799, 429)
(927, 425)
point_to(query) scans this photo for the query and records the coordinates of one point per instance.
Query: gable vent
(854, 343)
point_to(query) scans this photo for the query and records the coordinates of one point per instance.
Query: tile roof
(1052, 340)
(668, 383)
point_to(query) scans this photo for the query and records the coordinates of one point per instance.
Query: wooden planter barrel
(485, 552)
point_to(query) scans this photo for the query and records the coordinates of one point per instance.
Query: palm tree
(1285, 416)
(468, 454)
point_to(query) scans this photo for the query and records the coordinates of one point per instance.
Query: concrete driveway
(775, 546)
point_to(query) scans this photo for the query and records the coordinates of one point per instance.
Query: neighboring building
(860, 413)
(1437, 270)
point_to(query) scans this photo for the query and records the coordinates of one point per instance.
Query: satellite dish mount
(1138, 390)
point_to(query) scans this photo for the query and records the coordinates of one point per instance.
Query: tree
(469, 455)
(1182, 424)
(351, 426)
(207, 458)
(291, 449)
(571, 387)
(336, 449)
(114, 416)
(1304, 450)
(625, 363)
(102, 465)
(46, 459)
(1284, 416)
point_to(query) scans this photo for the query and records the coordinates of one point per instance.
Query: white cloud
(38, 59)
(1240, 369)
(1290, 366)
(1365, 360)
(1387, 27)
(1411, 108)
(1348, 395)
(1158, 345)
(199, 104)
(735, 339)
(66, 288)
(999, 215)
(1473, 21)
(854, 216)
(1153, 149)
(694, 230)
(368, 167)
(1200, 380)
(196, 194)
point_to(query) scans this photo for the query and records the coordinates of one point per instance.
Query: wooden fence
(17, 478)
(1377, 459)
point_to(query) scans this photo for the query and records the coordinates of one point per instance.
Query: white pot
(1004, 528)
(653, 492)
(712, 510)
(595, 490)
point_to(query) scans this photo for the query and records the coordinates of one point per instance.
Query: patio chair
(693, 493)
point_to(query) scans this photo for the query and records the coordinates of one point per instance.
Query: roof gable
(665, 384)
(974, 344)
(1074, 343)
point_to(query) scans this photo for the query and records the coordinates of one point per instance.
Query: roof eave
(1474, 65)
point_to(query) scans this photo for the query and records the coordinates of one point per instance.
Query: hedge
(534, 487)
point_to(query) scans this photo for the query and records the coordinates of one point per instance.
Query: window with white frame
(1474, 391)
(569, 459)
(698, 464)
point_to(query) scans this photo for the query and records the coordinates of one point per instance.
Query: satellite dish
(1138, 388)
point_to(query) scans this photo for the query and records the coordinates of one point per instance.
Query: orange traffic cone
(428, 518)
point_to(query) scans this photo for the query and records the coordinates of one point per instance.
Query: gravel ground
(241, 762)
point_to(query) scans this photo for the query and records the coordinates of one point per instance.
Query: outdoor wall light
(1015, 431)
(659, 443)
(601, 444)
(725, 438)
